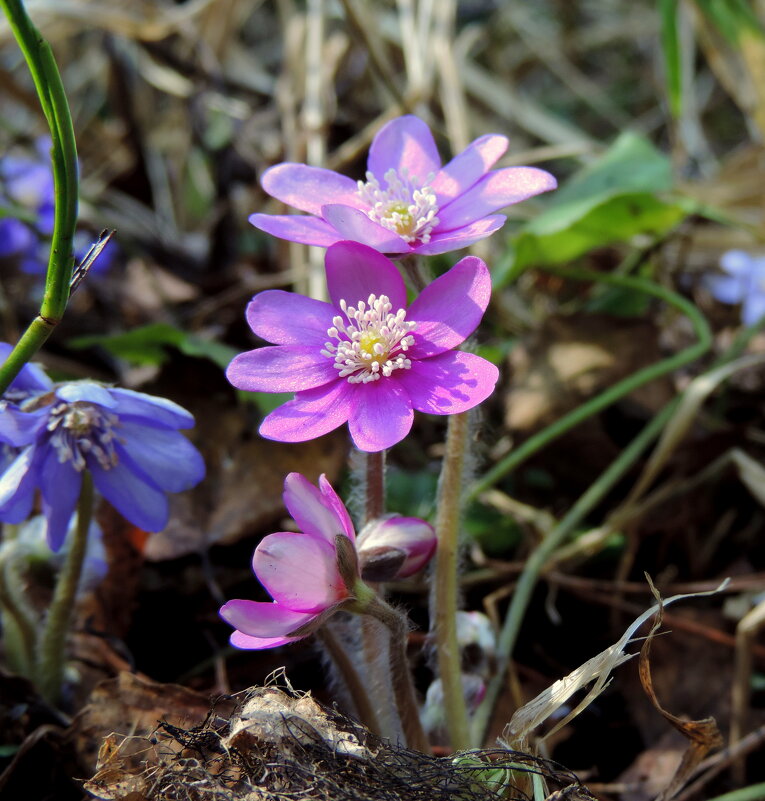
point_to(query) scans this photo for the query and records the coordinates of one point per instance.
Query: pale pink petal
(284, 318)
(493, 192)
(297, 228)
(449, 383)
(239, 640)
(332, 498)
(299, 572)
(462, 237)
(381, 415)
(309, 188)
(354, 272)
(314, 512)
(449, 310)
(404, 143)
(466, 168)
(354, 225)
(263, 619)
(311, 414)
(281, 368)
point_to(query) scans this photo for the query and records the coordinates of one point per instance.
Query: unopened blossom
(365, 357)
(395, 547)
(128, 441)
(408, 202)
(301, 571)
(744, 284)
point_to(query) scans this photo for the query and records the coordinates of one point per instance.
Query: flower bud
(395, 547)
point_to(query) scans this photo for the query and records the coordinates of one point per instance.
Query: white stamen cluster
(81, 428)
(404, 206)
(370, 341)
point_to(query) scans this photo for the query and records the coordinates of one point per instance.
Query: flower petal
(737, 262)
(754, 308)
(17, 486)
(726, 288)
(354, 272)
(449, 310)
(60, 485)
(263, 619)
(296, 228)
(309, 188)
(140, 502)
(311, 414)
(281, 368)
(404, 143)
(354, 225)
(461, 237)
(240, 640)
(87, 391)
(286, 318)
(20, 428)
(31, 377)
(333, 499)
(466, 168)
(167, 458)
(314, 511)
(381, 415)
(494, 191)
(299, 571)
(449, 383)
(151, 409)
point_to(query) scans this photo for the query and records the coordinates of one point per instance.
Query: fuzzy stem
(374, 484)
(19, 618)
(413, 268)
(52, 647)
(50, 91)
(444, 595)
(400, 675)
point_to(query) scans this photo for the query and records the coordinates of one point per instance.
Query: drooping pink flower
(395, 547)
(409, 203)
(299, 570)
(364, 358)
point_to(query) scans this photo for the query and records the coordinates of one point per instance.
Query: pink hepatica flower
(409, 203)
(364, 358)
(302, 571)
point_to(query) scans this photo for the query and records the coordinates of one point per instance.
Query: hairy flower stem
(400, 675)
(374, 485)
(51, 656)
(19, 618)
(443, 612)
(350, 676)
(414, 272)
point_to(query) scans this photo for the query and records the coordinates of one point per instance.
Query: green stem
(374, 485)
(444, 595)
(50, 91)
(755, 792)
(52, 646)
(617, 391)
(20, 645)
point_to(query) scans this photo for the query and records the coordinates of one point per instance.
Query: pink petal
(466, 168)
(309, 188)
(354, 272)
(449, 310)
(263, 619)
(404, 143)
(382, 414)
(281, 368)
(285, 318)
(297, 228)
(449, 383)
(311, 414)
(299, 571)
(314, 512)
(332, 498)
(354, 225)
(494, 191)
(239, 640)
(461, 237)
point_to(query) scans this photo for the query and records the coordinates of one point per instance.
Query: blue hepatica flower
(129, 442)
(744, 284)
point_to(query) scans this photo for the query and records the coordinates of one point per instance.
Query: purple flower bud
(395, 547)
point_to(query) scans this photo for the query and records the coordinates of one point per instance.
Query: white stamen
(405, 206)
(371, 341)
(81, 428)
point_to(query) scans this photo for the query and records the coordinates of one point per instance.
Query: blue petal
(60, 485)
(87, 391)
(17, 487)
(19, 428)
(166, 457)
(154, 410)
(137, 500)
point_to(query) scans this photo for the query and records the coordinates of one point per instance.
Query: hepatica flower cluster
(129, 442)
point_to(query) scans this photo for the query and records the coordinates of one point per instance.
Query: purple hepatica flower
(395, 547)
(127, 440)
(364, 358)
(301, 571)
(409, 202)
(745, 284)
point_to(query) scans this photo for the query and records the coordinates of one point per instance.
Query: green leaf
(670, 45)
(609, 201)
(732, 18)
